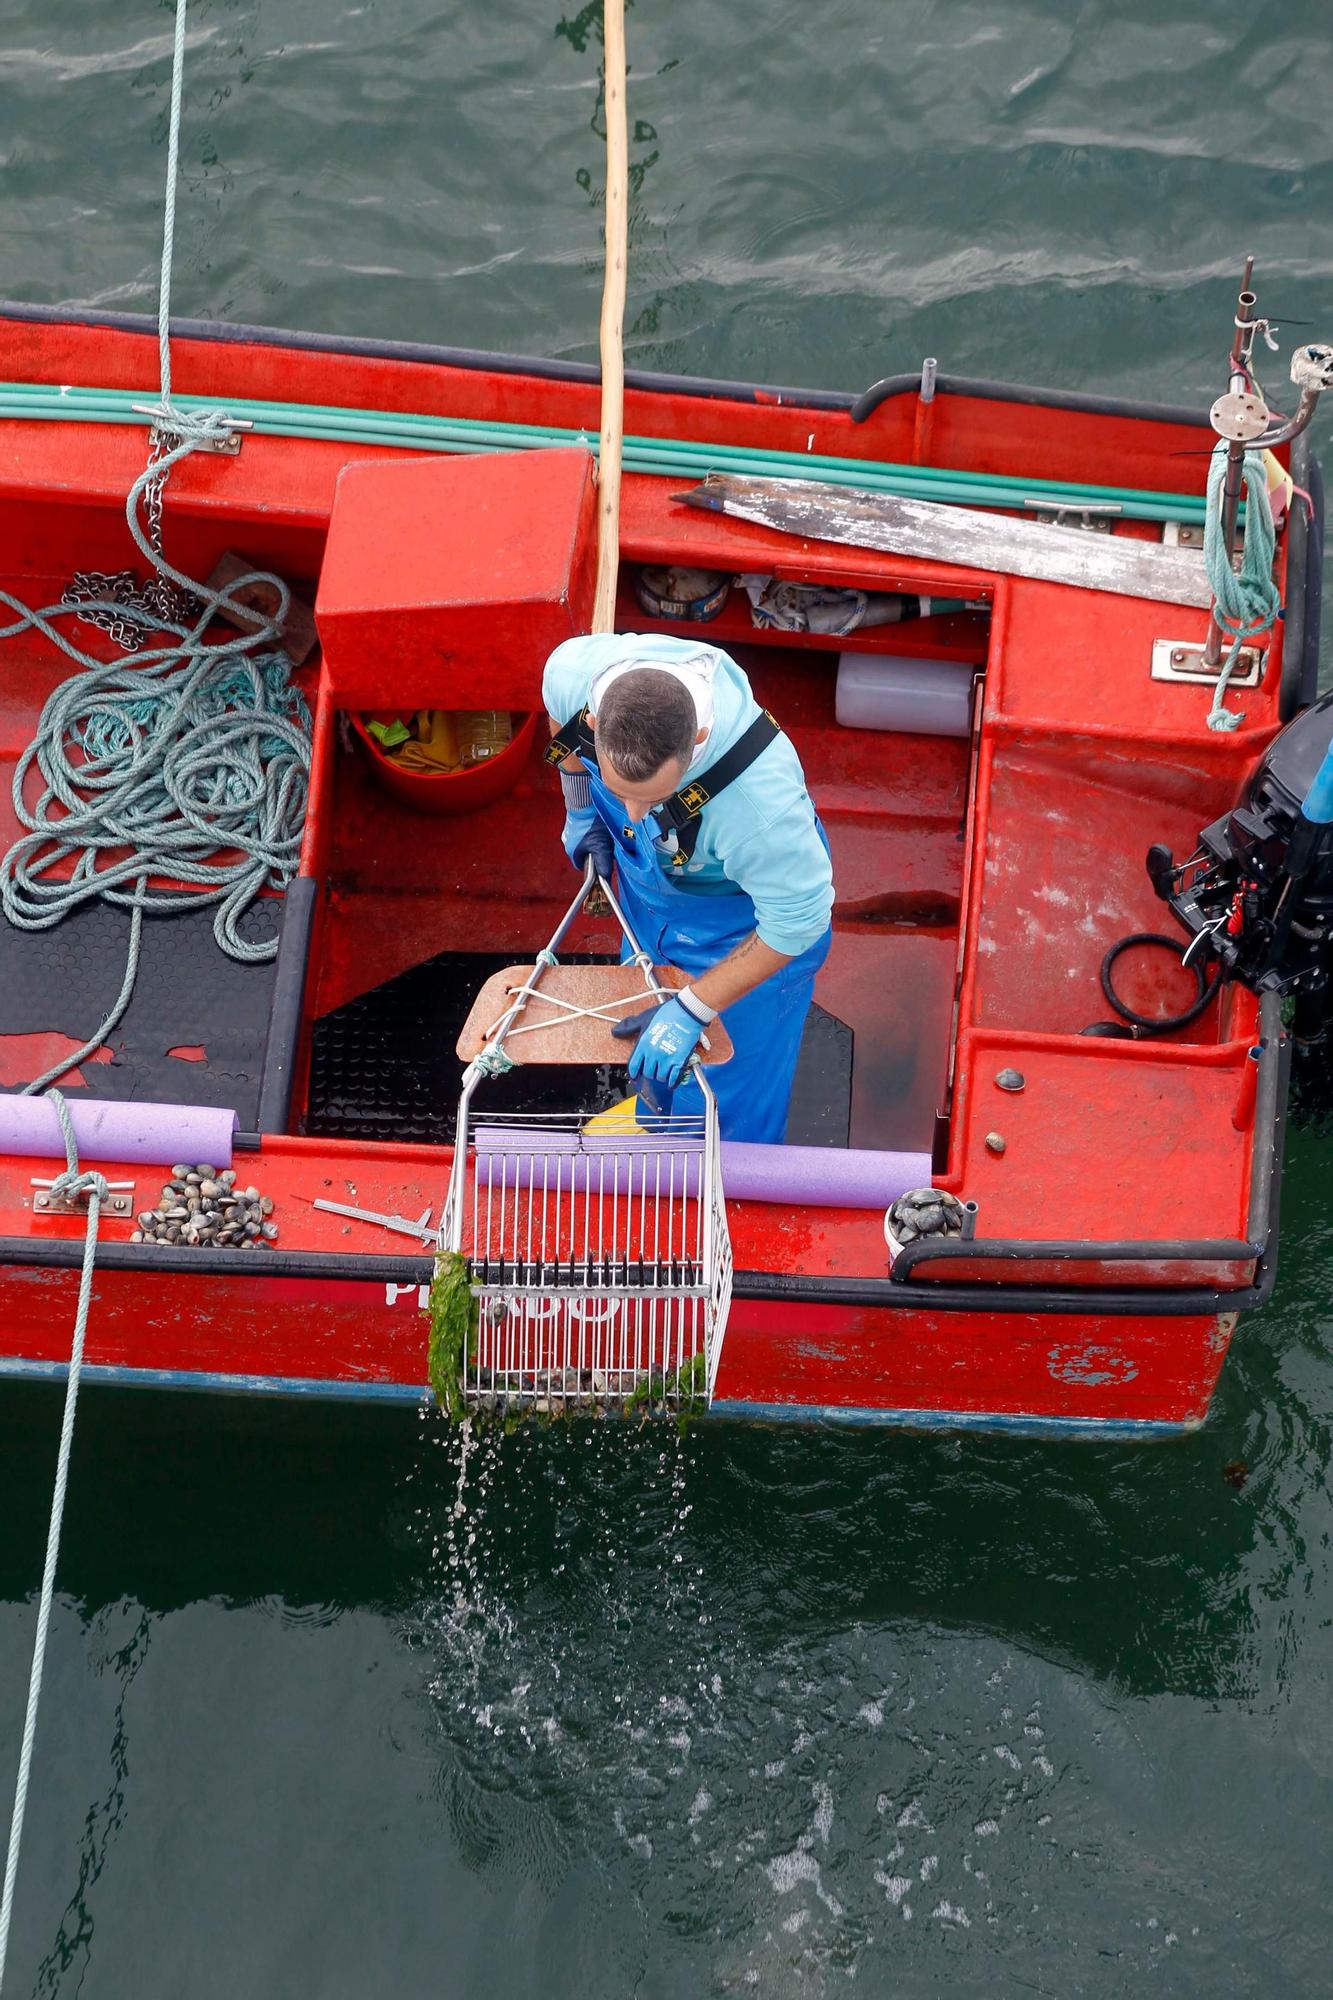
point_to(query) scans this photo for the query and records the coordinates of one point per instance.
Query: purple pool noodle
(151, 1134)
(820, 1176)
(803, 1176)
(622, 1163)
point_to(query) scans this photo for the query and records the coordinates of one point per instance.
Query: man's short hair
(644, 720)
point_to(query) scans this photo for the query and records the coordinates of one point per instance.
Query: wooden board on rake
(547, 1032)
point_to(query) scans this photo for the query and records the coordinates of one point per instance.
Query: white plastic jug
(913, 697)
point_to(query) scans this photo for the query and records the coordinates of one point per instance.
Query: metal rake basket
(600, 1259)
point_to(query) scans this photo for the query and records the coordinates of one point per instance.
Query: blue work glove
(666, 1040)
(586, 833)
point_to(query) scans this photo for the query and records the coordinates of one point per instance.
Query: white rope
(602, 1013)
(192, 429)
(169, 210)
(71, 1182)
(189, 766)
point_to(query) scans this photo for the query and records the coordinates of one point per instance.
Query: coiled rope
(1246, 602)
(191, 765)
(73, 1182)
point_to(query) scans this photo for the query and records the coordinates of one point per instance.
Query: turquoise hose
(666, 457)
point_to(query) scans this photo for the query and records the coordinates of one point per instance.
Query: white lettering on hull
(418, 1293)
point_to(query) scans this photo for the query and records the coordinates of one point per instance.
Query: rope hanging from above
(611, 336)
(191, 765)
(1247, 603)
(77, 1183)
(188, 768)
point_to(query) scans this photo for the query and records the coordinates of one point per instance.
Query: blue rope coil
(1246, 602)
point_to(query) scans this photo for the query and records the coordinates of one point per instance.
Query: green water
(744, 1711)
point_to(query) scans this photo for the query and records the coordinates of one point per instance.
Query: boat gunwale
(236, 333)
(1082, 1301)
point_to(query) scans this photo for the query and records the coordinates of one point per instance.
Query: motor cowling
(1260, 885)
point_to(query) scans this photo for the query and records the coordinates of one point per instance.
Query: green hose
(666, 457)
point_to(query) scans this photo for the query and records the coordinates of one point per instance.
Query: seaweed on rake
(452, 1311)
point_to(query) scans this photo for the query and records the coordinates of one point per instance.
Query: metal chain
(158, 599)
(172, 605)
(97, 586)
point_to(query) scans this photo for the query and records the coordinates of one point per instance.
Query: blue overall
(695, 932)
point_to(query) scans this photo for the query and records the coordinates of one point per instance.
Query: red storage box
(446, 582)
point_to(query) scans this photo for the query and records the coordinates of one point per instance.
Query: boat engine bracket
(1259, 885)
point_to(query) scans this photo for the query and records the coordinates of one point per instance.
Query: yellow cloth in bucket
(440, 740)
(434, 743)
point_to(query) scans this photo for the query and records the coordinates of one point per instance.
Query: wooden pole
(613, 319)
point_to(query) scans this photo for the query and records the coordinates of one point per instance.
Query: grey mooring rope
(192, 763)
(190, 767)
(73, 1181)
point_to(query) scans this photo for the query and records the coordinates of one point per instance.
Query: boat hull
(1126, 1375)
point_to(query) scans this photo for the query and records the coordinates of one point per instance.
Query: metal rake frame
(601, 1262)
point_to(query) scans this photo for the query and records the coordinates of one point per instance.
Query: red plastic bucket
(451, 791)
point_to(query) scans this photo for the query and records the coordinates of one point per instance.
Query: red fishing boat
(1118, 1189)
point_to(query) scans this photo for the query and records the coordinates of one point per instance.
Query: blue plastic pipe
(1318, 805)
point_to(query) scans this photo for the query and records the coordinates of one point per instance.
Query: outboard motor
(1260, 886)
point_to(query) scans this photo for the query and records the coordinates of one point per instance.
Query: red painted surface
(992, 883)
(24, 1056)
(447, 581)
(1002, 1364)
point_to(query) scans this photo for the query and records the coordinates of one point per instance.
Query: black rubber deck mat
(821, 1094)
(383, 1066)
(188, 994)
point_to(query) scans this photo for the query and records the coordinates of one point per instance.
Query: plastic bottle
(483, 733)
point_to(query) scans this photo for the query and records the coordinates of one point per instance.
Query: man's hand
(667, 1036)
(586, 833)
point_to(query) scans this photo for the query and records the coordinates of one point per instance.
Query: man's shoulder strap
(681, 813)
(574, 738)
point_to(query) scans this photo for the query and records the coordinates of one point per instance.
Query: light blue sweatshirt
(760, 834)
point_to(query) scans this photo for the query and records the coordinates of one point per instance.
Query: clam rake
(598, 1254)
